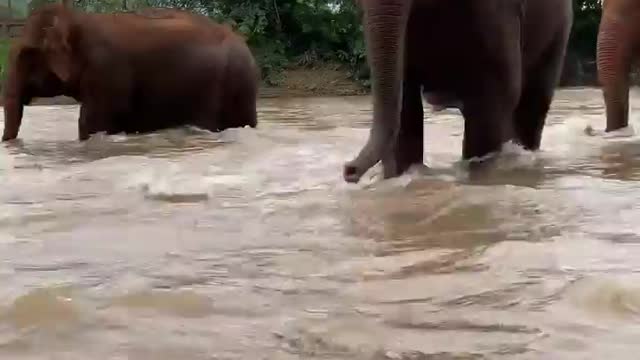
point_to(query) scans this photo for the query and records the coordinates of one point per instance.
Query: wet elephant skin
(133, 72)
(501, 60)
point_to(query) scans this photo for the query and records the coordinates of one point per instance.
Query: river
(247, 244)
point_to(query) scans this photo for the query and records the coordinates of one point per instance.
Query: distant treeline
(311, 32)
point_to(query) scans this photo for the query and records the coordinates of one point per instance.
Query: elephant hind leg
(206, 109)
(409, 147)
(237, 107)
(232, 107)
(240, 89)
(241, 108)
(537, 95)
(531, 113)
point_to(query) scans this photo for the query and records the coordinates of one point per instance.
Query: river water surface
(248, 244)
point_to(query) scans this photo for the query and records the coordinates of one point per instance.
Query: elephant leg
(484, 127)
(248, 112)
(84, 130)
(537, 95)
(240, 109)
(234, 109)
(239, 101)
(488, 116)
(128, 122)
(409, 147)
(531, 113)
(489, 108)
(116, 126)
(209, 115)
(93, 118)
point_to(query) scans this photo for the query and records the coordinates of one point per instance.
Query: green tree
(584, 34)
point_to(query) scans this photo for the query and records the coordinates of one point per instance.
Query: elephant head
(39, 63)
(617, 39)
(385, 23)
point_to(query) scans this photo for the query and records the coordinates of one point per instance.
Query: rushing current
(247, 244)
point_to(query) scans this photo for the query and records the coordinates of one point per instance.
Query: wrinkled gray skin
(501, 59)
(617, 51)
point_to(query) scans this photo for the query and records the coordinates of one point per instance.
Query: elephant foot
(616, 127)
(391, 168)
(9, 134)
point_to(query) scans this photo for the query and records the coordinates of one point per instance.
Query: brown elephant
(133, 72)
(501, 60)
(617, 49)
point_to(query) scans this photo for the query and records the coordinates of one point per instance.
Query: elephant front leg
(409, 147)
(490, 105)
(93, 118)
(537, 96)
(83, 123)
(488, 123)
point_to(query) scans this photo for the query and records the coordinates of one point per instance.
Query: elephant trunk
(13, 102)
(385, 26)
(614, 64)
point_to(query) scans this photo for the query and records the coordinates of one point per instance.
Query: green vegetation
(580, 68)
(308, 33)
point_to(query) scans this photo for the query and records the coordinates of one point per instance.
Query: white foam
(173, 184)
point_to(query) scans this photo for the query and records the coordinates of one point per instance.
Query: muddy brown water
(248, 245)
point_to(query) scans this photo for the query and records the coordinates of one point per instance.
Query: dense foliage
(309, 32)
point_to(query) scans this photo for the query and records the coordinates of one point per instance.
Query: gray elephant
(499, 59)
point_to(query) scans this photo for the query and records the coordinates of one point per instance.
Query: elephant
(500, 59)
(133, 72)
(617, 49)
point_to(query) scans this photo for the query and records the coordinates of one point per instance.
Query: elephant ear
(57, 47)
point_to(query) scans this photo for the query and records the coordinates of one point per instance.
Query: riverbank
(326, 80)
